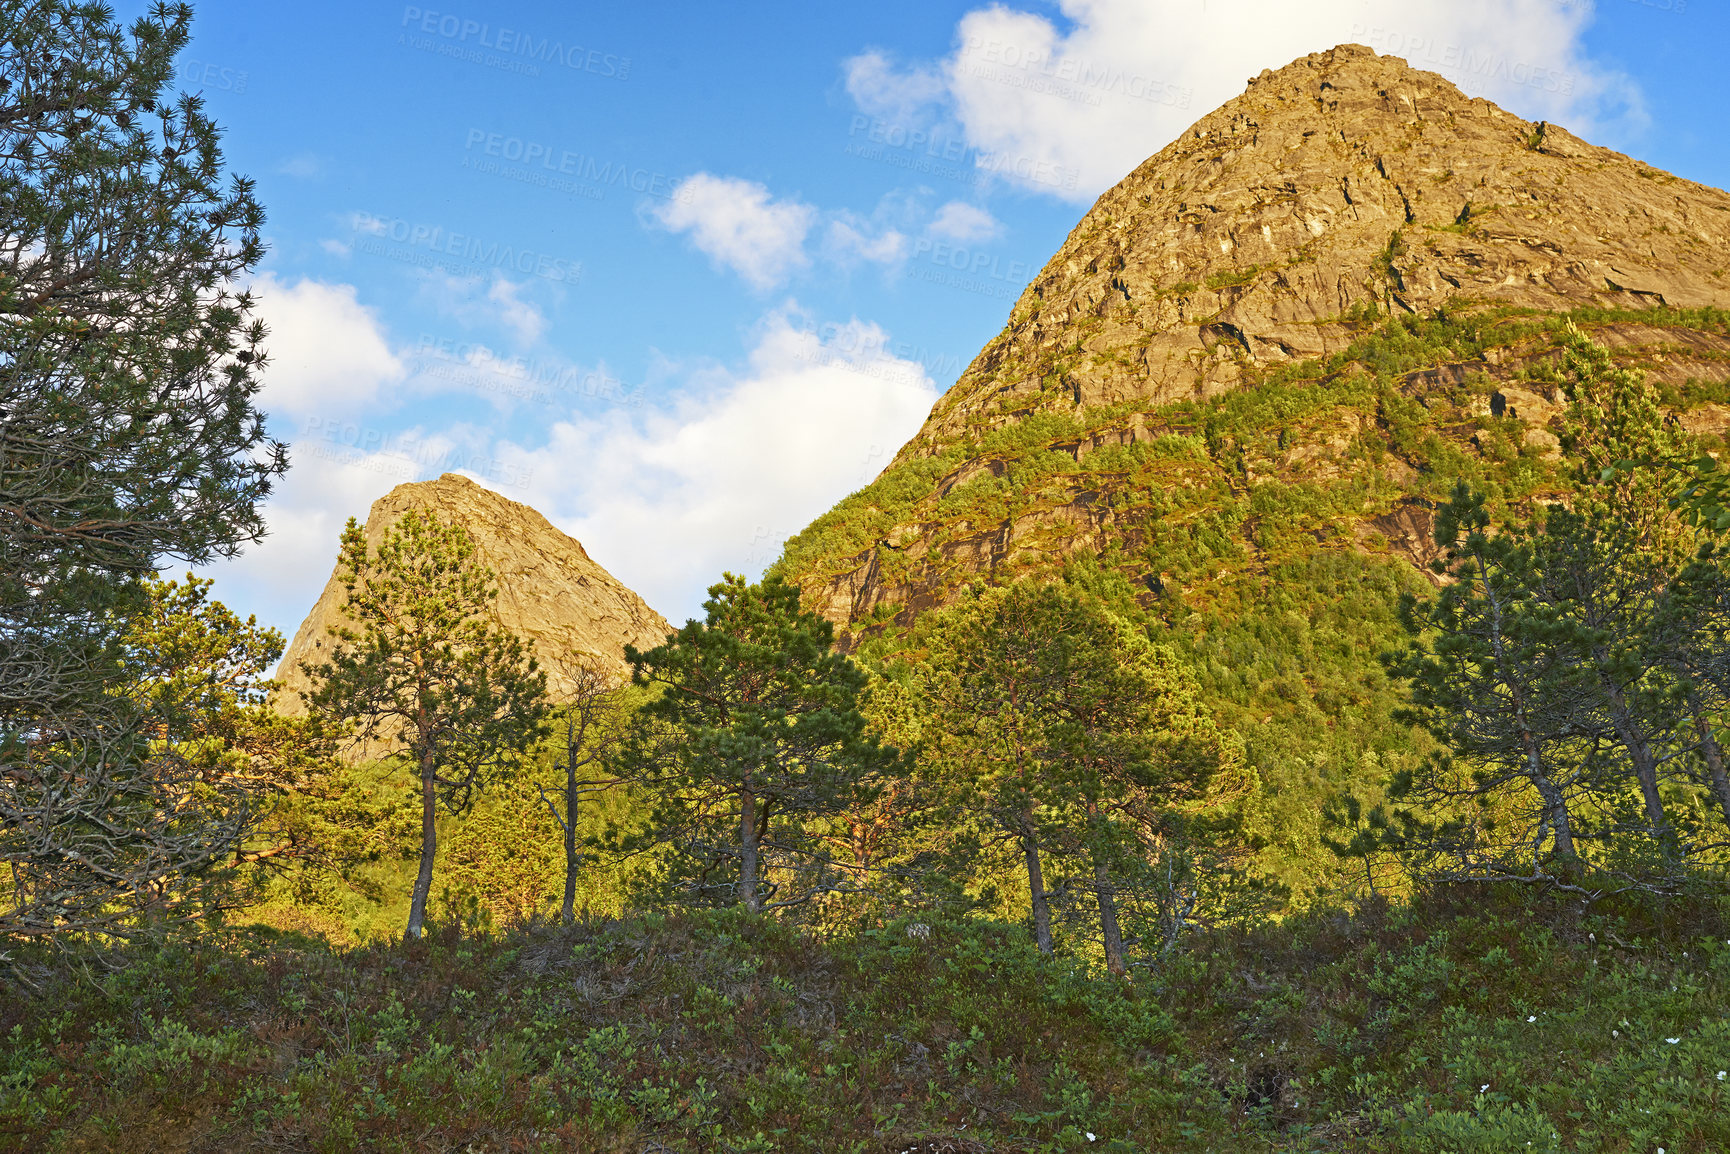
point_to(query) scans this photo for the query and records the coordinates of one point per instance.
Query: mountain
(550, 591)
(1259, 249)
(1230, 401)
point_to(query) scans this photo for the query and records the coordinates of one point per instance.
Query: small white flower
(1090, 1135)
(1672, 1041)
(1533, 1018)
(1721, 1074)
(1484, 1089)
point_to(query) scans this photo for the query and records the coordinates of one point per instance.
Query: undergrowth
(1472, 1020)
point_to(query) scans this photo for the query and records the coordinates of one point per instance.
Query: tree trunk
(1108, 918)
(1556, 811)
(748, 895)
(567, 913)
(1640, 753)
(428, 847)
(1714, 755)
(1555, 805)
(1036, 888)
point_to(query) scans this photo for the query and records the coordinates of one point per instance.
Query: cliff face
(1267, 248)
(550, 592)
(1243, 242)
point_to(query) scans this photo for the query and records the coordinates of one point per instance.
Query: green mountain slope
(1234, 393)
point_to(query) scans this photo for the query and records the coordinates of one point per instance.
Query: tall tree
(1496, 674)
(128, 430)
(1608, 559)
(1068, 734)
(1161, 782)
(1690, 641)
(753, 746)
(593, 717)
(995, 673)
(425, 671)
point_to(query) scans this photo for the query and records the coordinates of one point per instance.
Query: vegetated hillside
(1485, 1022)
(550, 592)
(1234, 393)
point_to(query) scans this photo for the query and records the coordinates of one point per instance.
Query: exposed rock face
(550, 592)
(1244, 241)
(1336, 194)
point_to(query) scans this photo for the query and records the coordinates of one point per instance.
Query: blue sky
(682, 276)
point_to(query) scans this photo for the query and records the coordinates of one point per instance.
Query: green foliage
(1576, 655)
(427, 671)
(1232, 277)
(1465, 1020)
(1242, 523)
(753, 743)
(128, 375)
(1054, 726)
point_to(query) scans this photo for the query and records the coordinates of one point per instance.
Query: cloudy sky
(683, 275)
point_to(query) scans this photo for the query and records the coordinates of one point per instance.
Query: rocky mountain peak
(1345, 180)
(1205, 385)
(551, 592)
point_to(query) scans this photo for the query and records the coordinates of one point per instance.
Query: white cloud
(327, 351)
(665, 497)
(475, 300)
(739, 225)
(851, 238)
(1070, 111)
(303, 166)
(964, 223)
(904, 97)
(720, 476)
(522, 317)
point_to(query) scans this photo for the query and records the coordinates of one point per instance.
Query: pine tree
(424, 669)
(1609, 557)
(754, 745)
(128, 435)
(1498, 675)
(1060, 729)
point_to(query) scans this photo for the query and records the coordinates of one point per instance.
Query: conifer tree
(1062, 730)
(753, 747)
(1500, 677)
(424, 671)
(128, 434)
(1608, 558)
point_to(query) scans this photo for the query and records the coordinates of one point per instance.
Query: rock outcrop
(550, 592)
(1345, 179)
(1339, 193)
